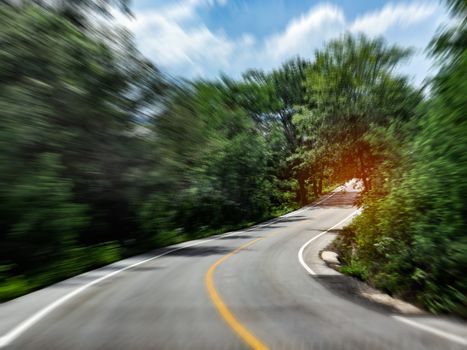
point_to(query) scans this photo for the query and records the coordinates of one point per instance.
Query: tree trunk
(315, 189)
(366, 183)
(303, 195)
(363, 173)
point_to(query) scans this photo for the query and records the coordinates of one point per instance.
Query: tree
(70, 96)
(410, 239)
(351, 87)
(271, 99)
(39, 215)
(210, 162)
(76, 11)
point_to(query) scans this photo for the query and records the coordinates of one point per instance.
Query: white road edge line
(29, 322)
(435, 331)
(300, 252)
(13, 334)
(438, 332)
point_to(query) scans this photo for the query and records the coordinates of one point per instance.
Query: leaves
(420, 207)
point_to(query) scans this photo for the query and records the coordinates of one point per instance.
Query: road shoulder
(363, 294)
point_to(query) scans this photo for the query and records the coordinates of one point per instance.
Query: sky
(204, 38)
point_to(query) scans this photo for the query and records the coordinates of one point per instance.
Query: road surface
(245, 289)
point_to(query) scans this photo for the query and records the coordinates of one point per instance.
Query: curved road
(234, 291)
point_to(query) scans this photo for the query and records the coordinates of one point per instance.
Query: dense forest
(103, 156)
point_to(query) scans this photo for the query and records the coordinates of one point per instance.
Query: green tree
(351, 88)
(68, 95)
(410, 239)
(271, 99)
(77, 12)
(39, 214)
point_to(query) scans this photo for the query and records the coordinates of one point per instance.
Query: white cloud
(403, 15)
(176, 39)
(187, 9)
(172, 45)
(304, 34)
(408, 25)
(247, 40)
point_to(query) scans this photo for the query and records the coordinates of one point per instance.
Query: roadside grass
(78, 260)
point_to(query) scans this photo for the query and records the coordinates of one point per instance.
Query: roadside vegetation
(103, 156)
(411, 239)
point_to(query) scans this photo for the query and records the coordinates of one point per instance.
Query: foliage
(102, 156)
(78, 12)
(213, 160)
(67, 140)
(351, 89)
(410, 238)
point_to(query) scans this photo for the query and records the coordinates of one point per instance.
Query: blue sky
(202, 38)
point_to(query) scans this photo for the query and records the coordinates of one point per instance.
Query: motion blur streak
(108, 159)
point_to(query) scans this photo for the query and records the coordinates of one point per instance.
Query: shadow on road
(296, 218)
(237, 237)
(351, 289)
(340, 199)
(200, 251)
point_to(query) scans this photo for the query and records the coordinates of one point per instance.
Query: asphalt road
(235, 291)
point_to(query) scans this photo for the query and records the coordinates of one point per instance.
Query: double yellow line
(223, 310)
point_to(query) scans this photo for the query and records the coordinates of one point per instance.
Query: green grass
(355, 269)
(75, 262)
(81, 259)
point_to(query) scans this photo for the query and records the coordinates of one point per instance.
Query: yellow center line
(247, 336)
